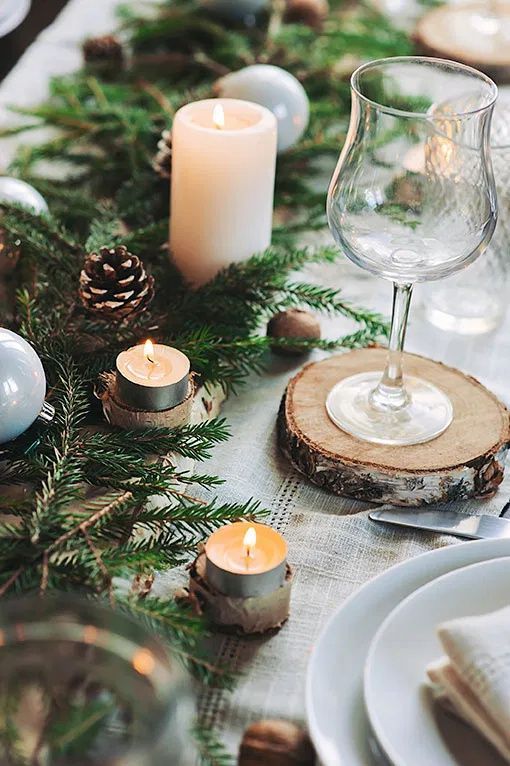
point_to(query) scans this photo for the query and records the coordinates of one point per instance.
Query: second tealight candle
(246, 559)
(223, 169)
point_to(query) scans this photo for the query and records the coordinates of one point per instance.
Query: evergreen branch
(194, 441)
(63, 476)
(175, 623)
(211, 751)
(46, 553)
(194, 518)
(88, 515)
(105, 231)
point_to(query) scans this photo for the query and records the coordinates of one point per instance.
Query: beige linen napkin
(473, 679)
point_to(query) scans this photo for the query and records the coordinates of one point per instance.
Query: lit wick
(218, 117)
(148, 351)
(249, 541)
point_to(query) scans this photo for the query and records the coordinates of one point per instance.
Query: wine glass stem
(390, 394)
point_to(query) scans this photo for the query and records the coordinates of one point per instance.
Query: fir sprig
(211, 750)
(87, 516)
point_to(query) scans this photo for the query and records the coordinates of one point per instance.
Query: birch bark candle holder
(241, 580)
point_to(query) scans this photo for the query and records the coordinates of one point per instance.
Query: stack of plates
(367, 698)
(12, 13)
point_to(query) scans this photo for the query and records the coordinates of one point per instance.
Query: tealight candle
(152, 377)
(223, 170)
(245, 559)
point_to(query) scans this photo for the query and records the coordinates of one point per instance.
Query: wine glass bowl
(412, 199)
(474, 301)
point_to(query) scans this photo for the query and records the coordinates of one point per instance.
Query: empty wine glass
(475, 300)
(406, 226)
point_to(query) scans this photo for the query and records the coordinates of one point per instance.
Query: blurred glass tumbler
(81, 684)
(474, 301)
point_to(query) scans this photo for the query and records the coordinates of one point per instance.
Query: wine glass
(475, 300)
(410, 221)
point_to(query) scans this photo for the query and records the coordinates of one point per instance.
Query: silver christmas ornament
(237, 10)
(22, 386)
(276, 89)
(15, 190)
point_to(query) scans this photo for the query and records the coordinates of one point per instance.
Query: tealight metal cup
(240, 585)
(152, 398)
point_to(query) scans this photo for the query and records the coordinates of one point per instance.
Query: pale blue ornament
(237, 10)
(15, 190)
(22, 385)
(278, 90)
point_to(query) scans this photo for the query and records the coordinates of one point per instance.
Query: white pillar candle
(223, 168)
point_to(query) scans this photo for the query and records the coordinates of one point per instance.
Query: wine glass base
(427, 415)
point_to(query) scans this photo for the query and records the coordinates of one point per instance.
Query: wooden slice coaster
(473, 33)
(467, 460)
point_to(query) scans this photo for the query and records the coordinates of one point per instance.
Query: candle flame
(143, 661)
(148, 351)
(250, 540)
(218, 117)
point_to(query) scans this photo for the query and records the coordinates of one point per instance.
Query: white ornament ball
(22, 385)
(276, 89)
(237, 10)
(15, 190)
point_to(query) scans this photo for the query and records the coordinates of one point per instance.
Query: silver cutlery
(464, 525)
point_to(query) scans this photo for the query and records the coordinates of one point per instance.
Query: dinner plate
(406, 642)
(334, 686)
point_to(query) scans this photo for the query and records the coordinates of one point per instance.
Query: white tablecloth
(333, 545)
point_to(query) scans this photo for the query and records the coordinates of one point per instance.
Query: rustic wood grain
(436, 35)
(467, 460)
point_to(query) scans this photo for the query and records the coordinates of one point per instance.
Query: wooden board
(467, 460)
(473, 33)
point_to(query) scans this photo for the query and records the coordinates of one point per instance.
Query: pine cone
(309, 12)
(162, 162)
(105, 52)
(114, 284)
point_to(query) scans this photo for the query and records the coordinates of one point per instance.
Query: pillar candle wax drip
(223, 170)
(152, 377)
(244, 559)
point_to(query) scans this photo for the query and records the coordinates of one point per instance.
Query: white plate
(334, 684)
(406, 643)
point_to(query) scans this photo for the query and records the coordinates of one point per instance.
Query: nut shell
(294, 323)
(104, 51)
(275, 743)
(10, 253)
(309, 12)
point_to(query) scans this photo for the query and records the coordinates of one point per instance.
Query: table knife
(464, 525)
